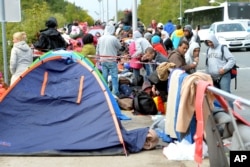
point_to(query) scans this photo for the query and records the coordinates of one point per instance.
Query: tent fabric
(60, 106)
(69, 56)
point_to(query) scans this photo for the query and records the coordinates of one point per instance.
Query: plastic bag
(182, 150)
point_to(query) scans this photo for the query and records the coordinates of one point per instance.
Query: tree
(36, 12)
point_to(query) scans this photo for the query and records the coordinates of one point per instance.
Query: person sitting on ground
(152, 55)
(50, 38)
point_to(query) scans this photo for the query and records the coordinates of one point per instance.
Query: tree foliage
(164, 10)
(34, 13)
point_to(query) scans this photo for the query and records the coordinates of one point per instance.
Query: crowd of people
(145, 57)
(121, 49)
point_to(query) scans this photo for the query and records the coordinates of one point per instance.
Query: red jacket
(158, 47)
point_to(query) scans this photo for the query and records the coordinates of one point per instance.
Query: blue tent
(60, 105)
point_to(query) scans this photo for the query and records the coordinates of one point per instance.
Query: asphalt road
(243, 79)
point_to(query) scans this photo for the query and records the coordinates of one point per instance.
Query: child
(123, 65)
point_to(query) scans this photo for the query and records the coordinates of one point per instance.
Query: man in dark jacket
(50, 38)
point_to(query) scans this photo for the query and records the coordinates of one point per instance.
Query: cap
(145, 85)
(188, 28)
(160, 25)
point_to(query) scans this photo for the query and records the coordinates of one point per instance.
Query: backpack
(233, 71)
(144, 104)
(137, 81)
(125, 89)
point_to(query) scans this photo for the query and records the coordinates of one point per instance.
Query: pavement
(152, 158)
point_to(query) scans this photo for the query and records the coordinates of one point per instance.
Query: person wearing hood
(192, 55)
(141, 44)
(21, 56)
(218, 64)
(148, 36)
(177, 57)
(167, 42)
(50, 38)
(190, 35)
(158, 46)
(107, 49)
(169, 27)
(177, 36)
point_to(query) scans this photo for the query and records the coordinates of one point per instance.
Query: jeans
(148, 69)
(225, 84)
(136, 72)
(112, 69)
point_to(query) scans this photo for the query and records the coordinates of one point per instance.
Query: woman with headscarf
(167, 42)
(192, 55)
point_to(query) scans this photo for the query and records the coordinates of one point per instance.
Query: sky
(94, 7)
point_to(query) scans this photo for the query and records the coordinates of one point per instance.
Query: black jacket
(50, 39)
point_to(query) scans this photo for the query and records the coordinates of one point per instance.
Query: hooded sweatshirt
(50, 38)
(141, 44)
(215, 60)
(189, 56)
(176, 36)
(108, 45)
(193, 35)
(20, 59)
